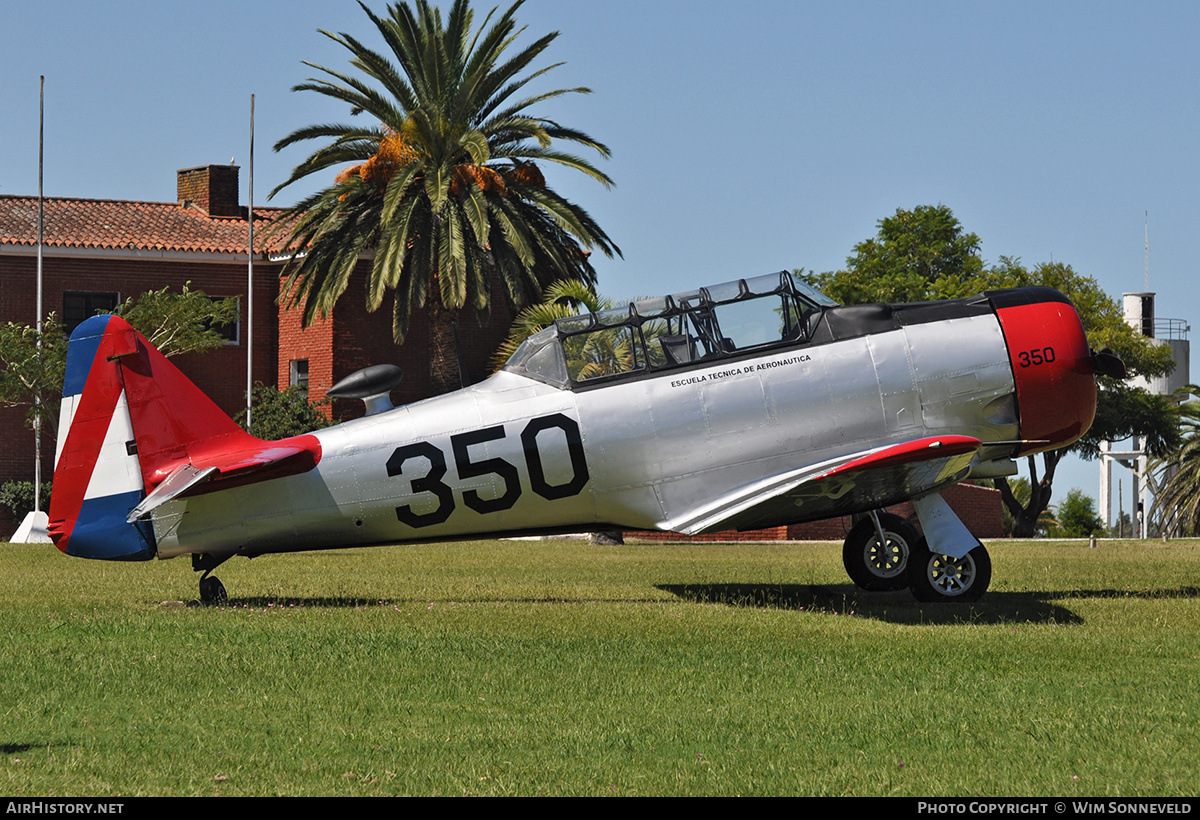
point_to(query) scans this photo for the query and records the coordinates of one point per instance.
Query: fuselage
(670, 421)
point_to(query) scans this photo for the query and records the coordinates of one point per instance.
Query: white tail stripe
(66, 414)
(117, 470)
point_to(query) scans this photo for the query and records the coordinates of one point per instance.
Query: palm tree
(562, 299)
(1177, 501)
(446, 191)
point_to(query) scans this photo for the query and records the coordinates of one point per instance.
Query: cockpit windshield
(673, 331)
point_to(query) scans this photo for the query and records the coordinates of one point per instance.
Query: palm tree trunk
(443, 352)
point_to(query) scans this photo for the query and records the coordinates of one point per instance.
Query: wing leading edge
(861, 481)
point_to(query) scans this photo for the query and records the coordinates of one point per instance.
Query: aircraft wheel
(937, 578)
(877, 568)
(212, 592)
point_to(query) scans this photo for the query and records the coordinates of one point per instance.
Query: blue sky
(746, 136)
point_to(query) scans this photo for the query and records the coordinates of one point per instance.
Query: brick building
(98, 252)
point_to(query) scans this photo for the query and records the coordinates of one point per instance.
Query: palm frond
(444, 193)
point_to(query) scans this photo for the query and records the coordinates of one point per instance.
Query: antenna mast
(1147, 260)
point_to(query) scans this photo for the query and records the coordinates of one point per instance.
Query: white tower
(1139, 314)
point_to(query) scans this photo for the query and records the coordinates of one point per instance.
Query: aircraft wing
(869, 479)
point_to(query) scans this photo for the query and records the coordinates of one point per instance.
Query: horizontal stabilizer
(209, 472)
(177, 483)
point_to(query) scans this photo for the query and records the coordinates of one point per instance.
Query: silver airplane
(750, 404)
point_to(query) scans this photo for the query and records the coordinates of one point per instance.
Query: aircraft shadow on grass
(833, 599)
(267, 602)
(283, 604)
(898, 607)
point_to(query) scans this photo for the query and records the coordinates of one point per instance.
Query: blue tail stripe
(101, 531)
(81, 353)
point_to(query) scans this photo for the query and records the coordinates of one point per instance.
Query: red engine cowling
(1052, 366)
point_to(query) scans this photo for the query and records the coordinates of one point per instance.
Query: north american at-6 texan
(751, 404)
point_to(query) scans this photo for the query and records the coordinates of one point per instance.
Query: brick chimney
(211, 188)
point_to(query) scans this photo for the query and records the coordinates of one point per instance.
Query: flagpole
(37, 417)
(250, 281)
(33, 529)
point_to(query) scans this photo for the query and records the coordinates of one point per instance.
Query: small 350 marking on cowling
(1032, 358)
(509, 475)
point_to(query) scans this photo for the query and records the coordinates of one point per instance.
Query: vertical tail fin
(97, 475)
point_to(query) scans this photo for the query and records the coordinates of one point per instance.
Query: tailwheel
(879, 566)
(212, 591)
(934, 577)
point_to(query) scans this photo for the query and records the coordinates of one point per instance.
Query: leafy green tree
(446, 193)
(284, 413)
(33, 373)
(925, 254)
(1077, 516)
(17, 496)
(917, 255)
(186, 322)
(1021, 490)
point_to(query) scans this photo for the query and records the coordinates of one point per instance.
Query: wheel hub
(953, 576)
(886, 561)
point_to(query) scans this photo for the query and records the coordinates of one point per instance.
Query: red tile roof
(121, 225)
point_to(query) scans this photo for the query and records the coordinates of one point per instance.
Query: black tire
(940, 578)
(212, 592)
(875, 568)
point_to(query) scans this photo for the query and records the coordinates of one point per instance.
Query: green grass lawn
(561, 668)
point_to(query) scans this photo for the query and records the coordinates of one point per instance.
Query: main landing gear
(884, 553)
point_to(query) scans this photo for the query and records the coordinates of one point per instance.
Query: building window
(231, 332)
(298, 374)
(80, 305)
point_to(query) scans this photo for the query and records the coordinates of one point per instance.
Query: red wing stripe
(922, 449)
